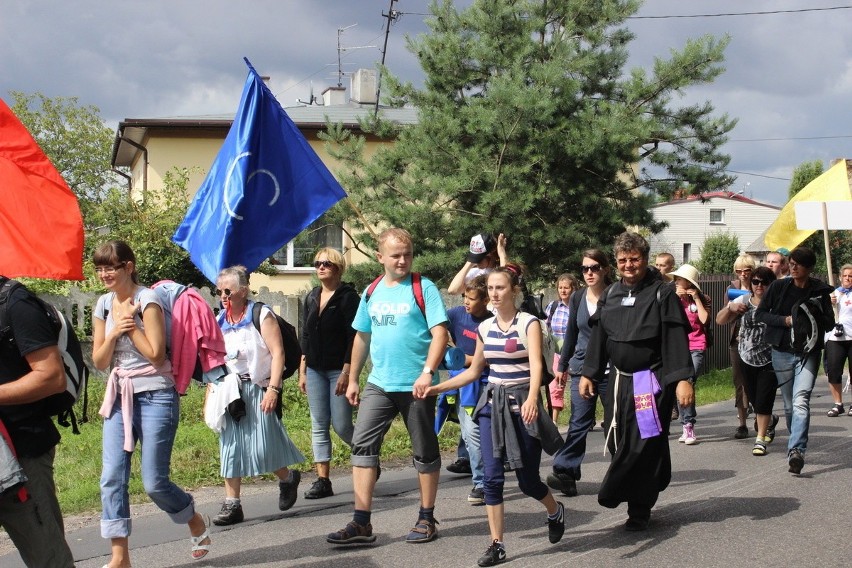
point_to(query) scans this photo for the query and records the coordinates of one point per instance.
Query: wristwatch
(427, 370)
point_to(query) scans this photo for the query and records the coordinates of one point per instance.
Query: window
(717, 216)
(687, 252)
(299, 253)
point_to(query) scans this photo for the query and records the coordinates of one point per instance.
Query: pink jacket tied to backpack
(192, 332)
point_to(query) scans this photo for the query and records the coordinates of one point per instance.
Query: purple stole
(645, 387)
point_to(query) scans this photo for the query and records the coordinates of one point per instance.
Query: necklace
(508, 325)
(231, 319)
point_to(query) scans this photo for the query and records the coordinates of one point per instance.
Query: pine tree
(530, 125)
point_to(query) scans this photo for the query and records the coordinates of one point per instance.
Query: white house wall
(689, 223)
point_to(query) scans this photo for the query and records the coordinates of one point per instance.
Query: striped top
(508, 358)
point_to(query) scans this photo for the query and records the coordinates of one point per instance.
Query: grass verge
(195, 458)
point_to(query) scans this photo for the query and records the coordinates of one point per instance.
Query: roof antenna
(311, 97)
(392, 16)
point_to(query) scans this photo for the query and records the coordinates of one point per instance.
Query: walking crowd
(629, 333)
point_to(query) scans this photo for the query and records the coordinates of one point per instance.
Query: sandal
(199, 550)
(836, 410)
(759, 448)
(423, 531)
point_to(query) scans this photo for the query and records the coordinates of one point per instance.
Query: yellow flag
(832, 185)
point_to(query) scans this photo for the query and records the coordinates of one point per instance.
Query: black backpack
(292, 348)
(61, 404)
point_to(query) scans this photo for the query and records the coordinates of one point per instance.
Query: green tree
(530, 125)
(75, 139)
(719, 253)
(804, 174)
(840, 244)
(79, 144)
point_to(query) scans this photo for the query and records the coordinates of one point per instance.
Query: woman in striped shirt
(513, 423)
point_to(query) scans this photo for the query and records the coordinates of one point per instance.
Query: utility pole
(391, 16)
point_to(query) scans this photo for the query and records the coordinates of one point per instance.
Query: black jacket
(773, 310)
(327, 337)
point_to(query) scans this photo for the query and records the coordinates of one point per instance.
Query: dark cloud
(788, 75)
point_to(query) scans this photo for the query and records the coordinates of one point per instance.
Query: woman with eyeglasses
(327, 336)
(253, 440)
(756, 355)
(744, 265)
(140, 404)
(583, 305)
(556, 314)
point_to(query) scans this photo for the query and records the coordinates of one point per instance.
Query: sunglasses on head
(591, 268)
(223, 292)
(323, 264)
(758, 282)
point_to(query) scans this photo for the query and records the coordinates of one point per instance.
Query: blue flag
(264, 187)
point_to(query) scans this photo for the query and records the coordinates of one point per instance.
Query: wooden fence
(78, 305)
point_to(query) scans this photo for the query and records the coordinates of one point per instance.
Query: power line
(790, 139)
(764, 13)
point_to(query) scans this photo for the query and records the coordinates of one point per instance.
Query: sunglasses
(223, 292)
(327, 264)
(743, 270)
(758, 282)
(591, 268)
(109, 270)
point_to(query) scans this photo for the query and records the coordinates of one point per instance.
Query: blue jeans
(327, 409)
(570, 457)
(470, 435)
(529, 479)
(155, 421)
(796, 378)
(688, 413)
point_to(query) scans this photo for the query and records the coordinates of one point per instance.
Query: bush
(719, 253)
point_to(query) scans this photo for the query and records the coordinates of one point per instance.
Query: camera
(838, 330)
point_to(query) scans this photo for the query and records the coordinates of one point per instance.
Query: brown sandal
(423, 531)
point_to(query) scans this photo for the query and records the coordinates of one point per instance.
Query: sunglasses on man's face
(327, 264)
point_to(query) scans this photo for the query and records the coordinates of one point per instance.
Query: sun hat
(480, 246)
(689, 273)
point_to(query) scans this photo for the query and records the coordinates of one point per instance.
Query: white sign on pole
(809, 215)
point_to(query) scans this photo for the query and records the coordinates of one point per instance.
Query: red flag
(41, 228)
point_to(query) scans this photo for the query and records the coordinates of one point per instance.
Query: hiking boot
(287, 490)
(796, 461)
(770, 432)
(352, 533)
(424, 530)
(476, 496)
(556, 527)
(319, 489)
(461, 467)
(229, 514)
(741, 433)
(495, 554)
(562, 482)
(688, 436)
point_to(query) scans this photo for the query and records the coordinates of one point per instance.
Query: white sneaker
(682, 438)
(689, 435)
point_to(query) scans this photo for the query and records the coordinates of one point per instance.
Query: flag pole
(825, 242)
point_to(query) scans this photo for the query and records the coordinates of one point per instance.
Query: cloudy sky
(788, 79)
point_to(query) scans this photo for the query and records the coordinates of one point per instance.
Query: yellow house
(150, 147)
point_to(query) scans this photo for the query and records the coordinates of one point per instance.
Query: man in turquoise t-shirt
(406, 346)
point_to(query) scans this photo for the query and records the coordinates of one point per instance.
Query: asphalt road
(724, 507)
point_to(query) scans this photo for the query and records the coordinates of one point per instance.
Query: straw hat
(687, 272)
